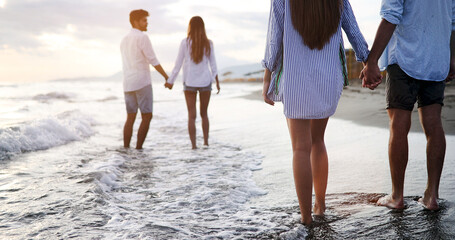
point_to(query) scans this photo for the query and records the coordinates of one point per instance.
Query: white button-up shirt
(194, 75)
(137, 54)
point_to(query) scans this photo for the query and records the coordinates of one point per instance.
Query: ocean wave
(160, 187)
(45, 133)
(53, 95)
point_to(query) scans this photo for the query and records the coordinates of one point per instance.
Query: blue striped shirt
(311, 81)
(420, 44)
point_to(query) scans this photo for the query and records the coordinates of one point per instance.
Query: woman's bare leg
(190, 98)
(300, 131)
(319, 163)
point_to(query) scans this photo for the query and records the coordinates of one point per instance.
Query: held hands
(371, 76)
(265, 88)
(168, 85)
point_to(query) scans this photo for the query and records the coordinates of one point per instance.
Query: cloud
(24, 21)
(63, 38)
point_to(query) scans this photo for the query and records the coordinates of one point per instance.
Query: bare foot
(429, 203)
(319, 209)
(389, 202)
(194, 148)
(307, 222)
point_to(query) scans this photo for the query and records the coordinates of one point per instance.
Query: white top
(194, 75)
(137, 54)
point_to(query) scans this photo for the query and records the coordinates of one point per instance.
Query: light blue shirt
(420, 44)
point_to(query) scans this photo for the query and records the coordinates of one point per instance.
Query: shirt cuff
(363, 56)
(393, 19)
(266, 65)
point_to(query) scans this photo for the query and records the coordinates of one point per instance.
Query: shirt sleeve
(212, 61)
(148, 52)
(355, 37)
(178, 62)
(274, 42)
(392, 10)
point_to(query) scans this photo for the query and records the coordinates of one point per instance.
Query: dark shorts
(404, 91)
(195, 89)
(142, 99)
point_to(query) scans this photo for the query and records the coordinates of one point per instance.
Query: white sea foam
(107, 172)
(45, 133)
(54, 95)
(161, 194)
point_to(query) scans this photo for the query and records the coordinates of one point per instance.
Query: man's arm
(371, 74)
(452, 58)
(161, 71)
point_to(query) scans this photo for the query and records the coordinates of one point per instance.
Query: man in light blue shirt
(420, 57)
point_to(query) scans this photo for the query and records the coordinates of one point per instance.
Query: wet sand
(366, 107)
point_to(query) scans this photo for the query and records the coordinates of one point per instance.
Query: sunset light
(239, 119)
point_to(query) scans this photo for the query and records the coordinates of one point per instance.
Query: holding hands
(168, 85)
(371, 75)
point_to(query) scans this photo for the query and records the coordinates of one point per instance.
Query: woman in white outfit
(197, 56)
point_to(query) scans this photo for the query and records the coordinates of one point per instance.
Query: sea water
(64, 173)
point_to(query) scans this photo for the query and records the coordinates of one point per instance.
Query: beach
(64, 173)
(368, 107)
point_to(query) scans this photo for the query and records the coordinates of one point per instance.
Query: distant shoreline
(366, 107)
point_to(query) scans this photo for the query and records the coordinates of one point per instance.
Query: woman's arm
(212, 62)
(274, 45)
(352, 30)
(178, 64)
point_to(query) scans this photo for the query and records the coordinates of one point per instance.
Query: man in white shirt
(137, 54)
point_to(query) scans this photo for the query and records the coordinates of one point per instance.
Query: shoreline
(366, 107)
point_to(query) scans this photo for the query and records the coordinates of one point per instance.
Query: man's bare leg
(143, 129)
(400, 123)
(128, 129)
(430, 118)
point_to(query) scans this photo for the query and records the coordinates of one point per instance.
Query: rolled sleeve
(392, 11)
(273, 50)
(352, 30)
(147, 49)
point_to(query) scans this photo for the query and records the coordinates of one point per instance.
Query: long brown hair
(316, 20)
(200, 44)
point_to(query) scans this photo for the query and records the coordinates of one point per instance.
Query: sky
(44, 40)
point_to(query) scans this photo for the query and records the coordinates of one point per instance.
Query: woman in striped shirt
(305, 69)
(197, 56)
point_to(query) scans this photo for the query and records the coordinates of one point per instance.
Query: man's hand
(371, 76)
(168, 85)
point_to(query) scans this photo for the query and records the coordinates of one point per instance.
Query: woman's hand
(218, 87)
(265, 88)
